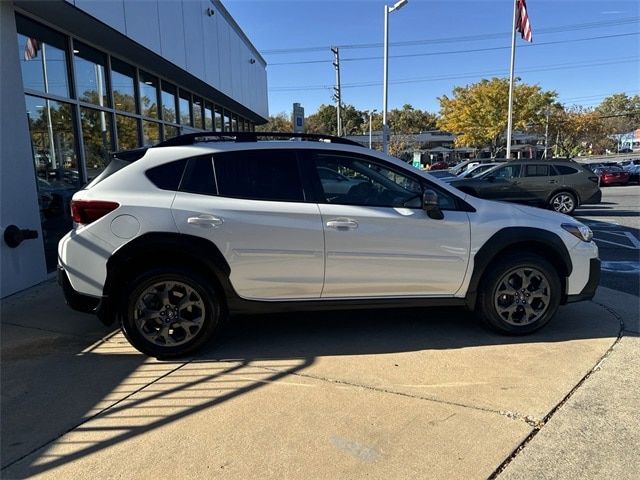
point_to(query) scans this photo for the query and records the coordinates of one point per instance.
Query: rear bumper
(593, 199)
(589, 289)
(77, 301)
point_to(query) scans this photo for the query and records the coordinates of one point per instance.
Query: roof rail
(191, 138)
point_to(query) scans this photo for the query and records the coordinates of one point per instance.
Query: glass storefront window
(123, 86)
(150, 133)
(208, 117)
(127, 132)
(148, 86)
(169, 103)
(184, 105)
(197, 112)
(234, 123)
(227, 122)
(90, 74)
(53, 141)
(218, 119)
(43, 58)
(170, 131)
(97, 139)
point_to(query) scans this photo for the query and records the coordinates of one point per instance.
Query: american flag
(522, 21)
(31, 49)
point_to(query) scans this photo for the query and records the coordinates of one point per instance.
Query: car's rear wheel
(169, 312)
(563, 202)
(519, 294)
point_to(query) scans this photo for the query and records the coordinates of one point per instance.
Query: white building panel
(172, 33)
(143, 23)
(236, 67)
(110, 12)
(224, 38)
(192, 14)
(211, 47)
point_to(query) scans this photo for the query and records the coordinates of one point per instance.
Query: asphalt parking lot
(616, 226)
(386, 394)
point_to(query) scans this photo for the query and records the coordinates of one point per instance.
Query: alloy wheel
(563, 203)
(169, 313)
(522, 296)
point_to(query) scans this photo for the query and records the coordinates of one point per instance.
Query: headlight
(583, 232)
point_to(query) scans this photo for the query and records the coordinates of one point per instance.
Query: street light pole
(371, 112)
(385, 80)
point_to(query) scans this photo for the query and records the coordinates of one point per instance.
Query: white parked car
(172, 239)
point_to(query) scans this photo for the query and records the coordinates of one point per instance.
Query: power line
(458, 39)
(451, 52)
(560, 66)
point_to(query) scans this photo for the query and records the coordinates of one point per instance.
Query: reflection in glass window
(234, 123)
(53, 141)
(150, 133)
(184, 105)
(148, 87)
(170, 131)
(43, 58)
(90, 74)
(218, 119)
(227, 122)
(169, 103)
(96, 136)
(123, 86)
(197, 112)
(127, 132)
(208, 117)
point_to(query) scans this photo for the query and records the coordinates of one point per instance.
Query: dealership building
(83, 78)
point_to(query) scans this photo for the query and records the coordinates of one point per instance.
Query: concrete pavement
(403, 394)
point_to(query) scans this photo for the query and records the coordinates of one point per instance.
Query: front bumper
(589, 289)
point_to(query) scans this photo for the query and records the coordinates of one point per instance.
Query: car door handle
(342, 224)
(553, 181)
(205, 221)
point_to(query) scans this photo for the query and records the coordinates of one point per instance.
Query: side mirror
(431, 206)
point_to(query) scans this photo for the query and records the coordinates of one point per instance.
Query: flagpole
(511, 69)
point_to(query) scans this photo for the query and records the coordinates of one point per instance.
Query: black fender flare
(536, 240)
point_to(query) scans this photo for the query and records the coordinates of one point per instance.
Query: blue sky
(582, 72)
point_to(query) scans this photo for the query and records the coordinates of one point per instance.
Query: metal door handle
(342, 224)
(553, 181)
(205, 221)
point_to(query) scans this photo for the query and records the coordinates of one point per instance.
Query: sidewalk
(406, 394)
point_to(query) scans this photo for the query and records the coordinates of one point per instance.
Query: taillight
(87, 211)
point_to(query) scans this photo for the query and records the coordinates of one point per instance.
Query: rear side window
(199, 177)
(566, 170)
(167, 176)
(259, 175)
(536, 171)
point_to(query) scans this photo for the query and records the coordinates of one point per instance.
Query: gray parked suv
(561, 185)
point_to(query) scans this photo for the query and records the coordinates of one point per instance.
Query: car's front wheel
(563, 202)
(169, 312)
(519, 294)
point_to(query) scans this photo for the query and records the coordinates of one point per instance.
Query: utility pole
(338, 93)
(546, 133)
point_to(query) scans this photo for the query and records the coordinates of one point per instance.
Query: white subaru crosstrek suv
(170, 240)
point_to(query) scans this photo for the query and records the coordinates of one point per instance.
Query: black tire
(532, 309)
(563, 202)
(173, 338)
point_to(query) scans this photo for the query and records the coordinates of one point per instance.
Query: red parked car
(441, 165)
(612, 176)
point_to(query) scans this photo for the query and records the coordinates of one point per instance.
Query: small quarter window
(167, 176)
(565, 170)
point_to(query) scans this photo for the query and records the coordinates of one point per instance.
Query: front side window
(259, 175)
(359, 181)
(43, 58)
